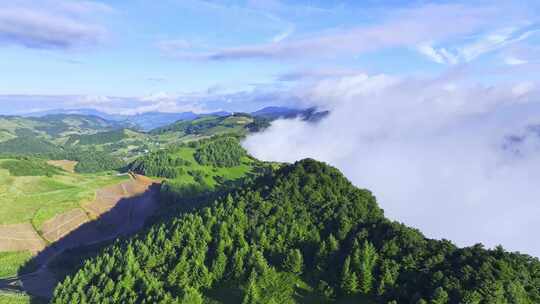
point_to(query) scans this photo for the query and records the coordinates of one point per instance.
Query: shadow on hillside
(41, 274)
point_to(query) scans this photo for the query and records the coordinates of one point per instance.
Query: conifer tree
(367, 263)
(294, 261)
(251, 295)
(349, 280)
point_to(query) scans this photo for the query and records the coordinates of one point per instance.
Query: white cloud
(91, 100)
(440, 55)
(470, 51)
(430, 150)
(159, 96)
(50, 24)
(283, 35)
(514, 61)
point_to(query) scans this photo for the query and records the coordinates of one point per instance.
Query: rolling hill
(208, 126)
(53, 127)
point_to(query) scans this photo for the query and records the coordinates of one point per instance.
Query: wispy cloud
(487, 43)
(51, 24)
(401, 28)
(514, 61)
(284, 35)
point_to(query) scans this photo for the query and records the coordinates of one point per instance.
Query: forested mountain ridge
(300, 234)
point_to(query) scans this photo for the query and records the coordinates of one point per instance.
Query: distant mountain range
(152, 120)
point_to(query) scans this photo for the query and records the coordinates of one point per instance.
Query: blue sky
(174, 55)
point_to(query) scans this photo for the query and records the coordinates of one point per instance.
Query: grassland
(11, 262)
(15, 298)
(36, 199)
(210, 173)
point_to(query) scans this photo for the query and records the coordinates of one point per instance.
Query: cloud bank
(433, 152)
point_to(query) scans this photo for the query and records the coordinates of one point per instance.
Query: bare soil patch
(20, 237)
(67, 165)
(62, 224)
(108, 197)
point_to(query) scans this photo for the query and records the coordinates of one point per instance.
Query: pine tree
(367, 263)
(294, 261)
(191, 296)
(251, 295)
(349, 280)
(440, 296)
(472, 297)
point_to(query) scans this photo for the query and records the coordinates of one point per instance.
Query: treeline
(196, 126)
(28, 145)
(161, 163)
(258, 124)
(98, 138)
(88, 161)
(303, 223)
(220, 152)
(29, 166)
(94, 161)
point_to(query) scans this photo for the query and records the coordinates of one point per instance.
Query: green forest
(222, 152)
(298, 234)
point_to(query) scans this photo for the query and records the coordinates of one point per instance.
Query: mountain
(208, 125)
(238, 123)
(301, 233)
(277, 112)
(273, 113)
(54, 126)
(144, 121)
(153, 120)
(82, 111)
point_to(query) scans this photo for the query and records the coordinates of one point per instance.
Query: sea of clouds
(438, 155)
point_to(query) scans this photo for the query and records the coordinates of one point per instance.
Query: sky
(434, 105)
(207, 55)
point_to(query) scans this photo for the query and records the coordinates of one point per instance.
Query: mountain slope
(55, 126)
(208, 126)
(303, 234)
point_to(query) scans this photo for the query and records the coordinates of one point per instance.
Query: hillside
(238, 123)
(301, 234)
(55, 126)
(207, 126)
(47, 134)
(199, 170)
(35, 197)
